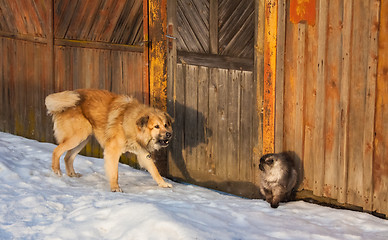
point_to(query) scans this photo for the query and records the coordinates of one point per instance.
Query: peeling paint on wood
(270, 41)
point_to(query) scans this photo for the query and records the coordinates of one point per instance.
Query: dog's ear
(142, 121)
(170, 120)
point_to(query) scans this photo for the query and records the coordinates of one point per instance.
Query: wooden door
(212, 93)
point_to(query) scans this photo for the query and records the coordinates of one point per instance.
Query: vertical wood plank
(158, 51)
(259, 85)
(344, 101)
(247, 135)
(332, 91)
(357, 102)
(203, 164)
(280, 76)
(300, 85)
(380, 163)
(233, 128)
(369, 129)
(320, 100)
(191, 127)
(213, 120)
(213, 26)
(146, 79)
(270, 40)
(309, 106)
(222, 119)
(290, 87)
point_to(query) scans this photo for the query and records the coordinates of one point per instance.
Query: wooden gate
(212, 93)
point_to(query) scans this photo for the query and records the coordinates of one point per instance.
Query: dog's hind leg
(70, 156)
(66, 145)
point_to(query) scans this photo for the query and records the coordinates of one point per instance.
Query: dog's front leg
(146, 161)
(112, 153)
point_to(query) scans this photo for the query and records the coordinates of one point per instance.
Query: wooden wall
(330, 100)
(212, 94)
(49, 46)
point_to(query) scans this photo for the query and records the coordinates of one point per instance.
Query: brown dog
(119, 123)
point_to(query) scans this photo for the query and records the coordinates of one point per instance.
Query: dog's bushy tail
(58, 102)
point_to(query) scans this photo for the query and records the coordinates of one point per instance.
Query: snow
(37, 204)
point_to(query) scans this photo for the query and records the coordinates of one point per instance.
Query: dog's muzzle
(166, 140)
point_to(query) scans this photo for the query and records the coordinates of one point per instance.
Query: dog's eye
(157, 126)
(270, 161)
(165, 125)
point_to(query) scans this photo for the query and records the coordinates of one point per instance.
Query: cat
(278, 177)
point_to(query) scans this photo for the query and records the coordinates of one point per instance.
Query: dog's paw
(76, 175)
(57, 172)
(118, 189)
(165, 185)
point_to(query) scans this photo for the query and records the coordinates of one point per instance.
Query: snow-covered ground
(36, 204)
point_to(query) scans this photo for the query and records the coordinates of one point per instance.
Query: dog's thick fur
(119, 123)
(278, 177)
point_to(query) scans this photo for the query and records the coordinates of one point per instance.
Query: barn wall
(326, 95)
(49, 46)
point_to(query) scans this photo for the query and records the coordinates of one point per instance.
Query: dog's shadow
(190, 130)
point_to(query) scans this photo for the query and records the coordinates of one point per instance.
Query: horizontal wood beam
(97, 45)
(215, 61)
(73, 43)
(23, 37)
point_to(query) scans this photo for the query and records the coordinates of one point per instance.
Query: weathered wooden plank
(319, 157)
(44, 14)
(191, 96)
(233, 124)
(146, 49)
(215, 61)
(203, 163)
(300, 84)
(222, 119)
(246, 128)
(309, 108)
(213, 121)
(258, 76)
(111, 25)
(380, 163)
(332, 98)
(178, 165)
(158, 53)
(98, 45)
(63, 18)
(370, 102)
(344, 101)
(33, 10)
(357, 105)
(280, 73)
(129, 23)
(4, 25)
(270, 39)
(20, 76)
(236, 31)
(18, 20)
(213, 26)
(290, 86)
(193, 37)
(30, 91)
